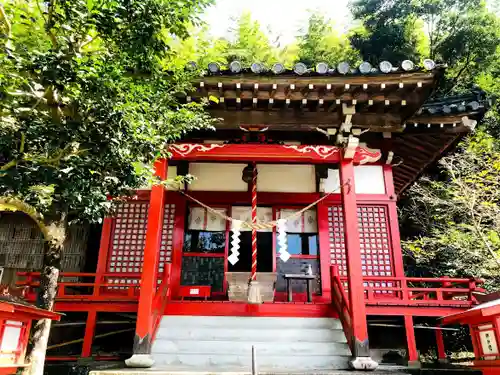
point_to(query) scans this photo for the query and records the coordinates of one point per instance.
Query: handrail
(341, 305)
(103, 287)
(419, 290)
(160, 299)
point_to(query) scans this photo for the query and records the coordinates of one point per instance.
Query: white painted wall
(286, 178)
(217, 177)
(368, 179)
(332, 183)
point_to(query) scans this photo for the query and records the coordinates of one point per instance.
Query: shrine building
(287, 238)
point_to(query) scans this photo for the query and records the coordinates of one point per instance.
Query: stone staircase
(222, 344)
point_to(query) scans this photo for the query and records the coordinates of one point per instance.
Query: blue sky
(284, 17)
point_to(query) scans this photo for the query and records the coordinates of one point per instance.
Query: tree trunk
(46, 296)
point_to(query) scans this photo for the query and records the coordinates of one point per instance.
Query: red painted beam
(355, 276)
(397, 310)
(202, 308)
(70, 306)
(268, 153)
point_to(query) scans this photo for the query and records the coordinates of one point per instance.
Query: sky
(284, 17)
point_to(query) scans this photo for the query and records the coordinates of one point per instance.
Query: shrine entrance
(208, 249)
(265, 253)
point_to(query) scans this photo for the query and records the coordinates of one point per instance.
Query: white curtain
(201, 219)
(307, 222)
(244, 213)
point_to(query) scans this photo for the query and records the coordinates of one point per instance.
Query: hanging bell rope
(270, 224)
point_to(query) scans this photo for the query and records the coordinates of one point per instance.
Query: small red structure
(15, 323)
(484, 325)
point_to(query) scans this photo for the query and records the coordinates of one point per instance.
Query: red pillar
(148, 286)
(441, 353)
(89, 334)
(393, 223)
(355, 275)
(102, 261)
(324, 250)
(411, 342)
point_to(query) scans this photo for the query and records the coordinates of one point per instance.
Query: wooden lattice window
(375, 246)
(167, 237)
(128, 240)
(374, 241)
(336, 237)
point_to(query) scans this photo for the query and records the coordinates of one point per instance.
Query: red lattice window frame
(374, 237)
(128, 238)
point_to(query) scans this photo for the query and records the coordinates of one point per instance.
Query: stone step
(172, 346)
(220, 362)
(251, 334)
(230, 371)
(250, 322)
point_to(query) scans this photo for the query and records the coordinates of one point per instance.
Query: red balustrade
(418, 291)
(75, 286)
(341, 304)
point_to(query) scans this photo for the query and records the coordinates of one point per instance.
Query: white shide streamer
(235, 241)
(281, 228)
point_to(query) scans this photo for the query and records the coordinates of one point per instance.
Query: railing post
(413, 360)
(360, 348)
(441, 353)
(89, 334)
(145, 312)
(472, 288)
(102, 261)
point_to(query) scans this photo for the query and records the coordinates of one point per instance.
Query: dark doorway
(264, 252)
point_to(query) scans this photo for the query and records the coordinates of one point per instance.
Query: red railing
(419, 291)
(161, 297)
(74, 286)
(341, 304)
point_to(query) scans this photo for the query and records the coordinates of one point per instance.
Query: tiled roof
(320, 69)
(473, 101)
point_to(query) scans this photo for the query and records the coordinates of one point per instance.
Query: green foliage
(86, 93)
(452, 221)
(461, 33)
(250, 43)
(321, 42)
(391, 31)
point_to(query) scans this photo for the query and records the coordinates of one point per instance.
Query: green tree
(248, 43)
(321, 42)
(460, 33)
(453, 219)
(198, 47)
(449, 218)
(390, 31)
(87, 103)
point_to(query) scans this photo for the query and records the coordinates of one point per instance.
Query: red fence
(341, 304)
(87, 286)
(404, 291)
(418, 291)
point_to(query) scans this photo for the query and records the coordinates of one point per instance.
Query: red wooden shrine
(16, 317)
(484, 327)
(332, 151)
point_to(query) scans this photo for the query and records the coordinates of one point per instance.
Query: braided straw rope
(270, 224)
